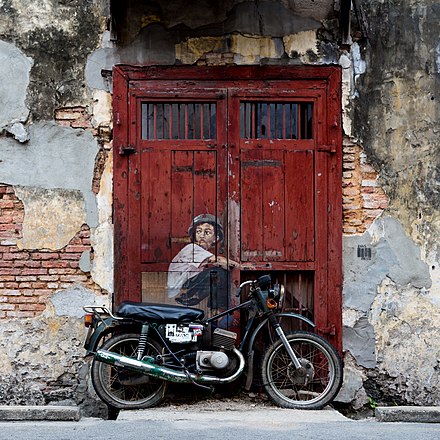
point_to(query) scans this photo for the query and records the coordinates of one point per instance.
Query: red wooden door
(257, 159)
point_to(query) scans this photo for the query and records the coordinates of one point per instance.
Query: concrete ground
(226, 409)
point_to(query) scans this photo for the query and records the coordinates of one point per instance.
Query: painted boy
(196, 273)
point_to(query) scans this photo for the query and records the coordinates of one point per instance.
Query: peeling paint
(59, 158)
(352, 390)
(401, 318)
(394, 255)
(102, 236)
(189, 51)
(70, 302)
(298, 45)
(101, 108)
(52, 217)
(250, 50)
(15, 69)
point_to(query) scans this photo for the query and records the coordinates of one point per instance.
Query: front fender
(278, 315)
(250, 349)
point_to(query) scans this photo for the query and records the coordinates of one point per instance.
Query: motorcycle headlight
(277, 294)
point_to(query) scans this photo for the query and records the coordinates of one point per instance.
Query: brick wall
(79, 117)
(362, 198)
(29, 277)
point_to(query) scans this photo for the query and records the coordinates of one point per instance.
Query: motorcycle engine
(212, 360)
(217, 360)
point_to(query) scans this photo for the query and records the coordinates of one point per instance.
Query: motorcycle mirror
(264, 282)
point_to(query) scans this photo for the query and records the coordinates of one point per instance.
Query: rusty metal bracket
(327, 148)
(328, 330)
(125, 150)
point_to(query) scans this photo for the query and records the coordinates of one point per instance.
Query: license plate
(179, 333)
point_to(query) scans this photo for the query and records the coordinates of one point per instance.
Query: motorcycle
(142, 347)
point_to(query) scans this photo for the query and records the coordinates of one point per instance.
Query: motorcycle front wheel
(312, 386)
(122, 388)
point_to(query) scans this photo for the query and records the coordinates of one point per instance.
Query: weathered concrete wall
(391, 301)
(56, 233)
(53, 202)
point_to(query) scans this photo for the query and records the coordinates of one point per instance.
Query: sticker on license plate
(179, 333)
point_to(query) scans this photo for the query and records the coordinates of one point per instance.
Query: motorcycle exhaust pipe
(151, 369)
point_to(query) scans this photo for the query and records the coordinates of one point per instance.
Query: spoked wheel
(126, 389)
(311, 386)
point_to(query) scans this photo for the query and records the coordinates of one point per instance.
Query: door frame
(126, 79)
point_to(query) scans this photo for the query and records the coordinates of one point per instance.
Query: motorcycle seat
(159, 312)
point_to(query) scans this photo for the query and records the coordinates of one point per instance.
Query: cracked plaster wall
(387, 84)
(391, 315)
(51, 168)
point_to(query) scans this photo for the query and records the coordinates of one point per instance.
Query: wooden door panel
(182, 192)
(205, 183)
(251, 212)
(299, 206)
(156, 202)
(176, 187)
(254, 147)
(277, 205)
(273, 193)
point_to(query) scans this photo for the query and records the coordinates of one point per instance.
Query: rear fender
(105, 327)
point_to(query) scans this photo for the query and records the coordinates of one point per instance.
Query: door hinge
(327, 148)
(331, 330)
(125, 150)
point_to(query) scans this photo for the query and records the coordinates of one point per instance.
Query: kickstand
(112, 412)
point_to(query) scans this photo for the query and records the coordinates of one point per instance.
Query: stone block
(417, 414)
(35, 413)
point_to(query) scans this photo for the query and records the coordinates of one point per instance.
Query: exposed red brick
(79, 248)
(56, 263)
(45, 256)
(29, 277)
(363, 198)
(31, 307)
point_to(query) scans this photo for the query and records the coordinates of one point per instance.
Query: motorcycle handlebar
(245, 283)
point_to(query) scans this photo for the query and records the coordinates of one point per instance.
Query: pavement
(231, 411)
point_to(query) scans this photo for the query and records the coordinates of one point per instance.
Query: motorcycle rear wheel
(312, 387)
(122, 388)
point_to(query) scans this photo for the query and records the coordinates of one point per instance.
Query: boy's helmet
(207, 218)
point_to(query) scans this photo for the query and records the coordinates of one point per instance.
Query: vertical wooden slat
(251, 205)
(205, 182)
(179, 121)
(213, 121)
(299, 206)
(334, 136)
(120, 185)
(272, 189)
(170, 121)
(197, 126)
(154, 121)
(202, 122)
(321, 223)
(182, 198)
(283, 130)
(269, 126)
(156, 207)
(134, 196)
(253, 121)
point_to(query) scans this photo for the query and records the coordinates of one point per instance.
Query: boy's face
(205, 235)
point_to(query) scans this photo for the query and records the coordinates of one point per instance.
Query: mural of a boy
(196, 273)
